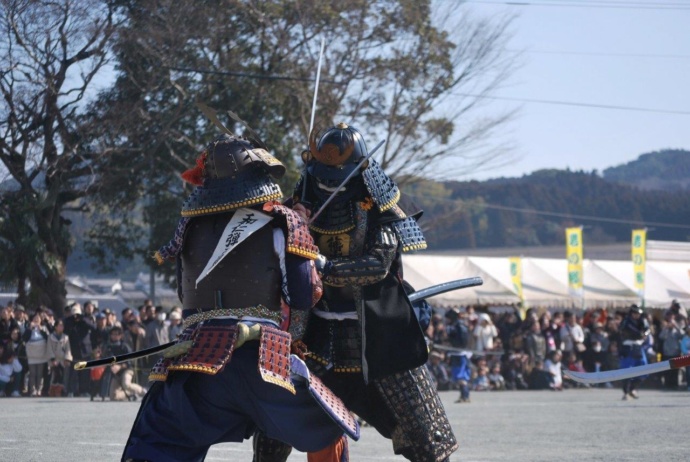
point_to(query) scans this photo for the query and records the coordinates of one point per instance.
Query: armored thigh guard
(269, 450)
(423, 432)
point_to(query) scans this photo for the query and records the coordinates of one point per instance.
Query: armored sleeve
(369, 268)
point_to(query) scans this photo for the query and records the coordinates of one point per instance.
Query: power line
(593, 53)
(587, 217)
(565, 215)
(592, 4)
(251, 76)
(573, 103)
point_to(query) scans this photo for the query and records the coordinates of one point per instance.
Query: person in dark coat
(80, 333)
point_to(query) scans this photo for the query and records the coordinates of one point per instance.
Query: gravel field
(524, 426)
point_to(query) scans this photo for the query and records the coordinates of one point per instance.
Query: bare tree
(423, 88)
(392, 68)
(51, 53)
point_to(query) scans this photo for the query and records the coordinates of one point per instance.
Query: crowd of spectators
(38, 351)
(474, 349)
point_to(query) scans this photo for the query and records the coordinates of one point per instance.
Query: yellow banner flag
(639, 258)
(573, 249)
(516, 277)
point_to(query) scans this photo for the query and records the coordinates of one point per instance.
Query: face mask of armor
(338, 151)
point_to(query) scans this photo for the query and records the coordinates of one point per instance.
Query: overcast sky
(601, 83)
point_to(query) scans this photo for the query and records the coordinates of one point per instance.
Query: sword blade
(618, 374)
(445, 287)
(169, 349)
(316, 89)
(313, 112)
(629, 373)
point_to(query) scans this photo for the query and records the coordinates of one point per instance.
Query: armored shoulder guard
(406, 228)
(381, 187)
(298, 239)
(172, 249)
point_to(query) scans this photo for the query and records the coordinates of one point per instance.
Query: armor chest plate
(249, 275)
(334, 245)
(349, 243)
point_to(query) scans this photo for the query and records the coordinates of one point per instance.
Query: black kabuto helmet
(231, 173)
(337, 152)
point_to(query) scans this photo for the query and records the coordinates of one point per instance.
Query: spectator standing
(79, 333)
(21, 318)
(111, 319)
(7, 323)
(572, 335)
(457, 330)
(90, 314)
(10, 372)
(551, 330)
(175, 327)
(484, 334)
(598, 346)
(17, 346)
(633, 330)
(126, 315)
(100, 335)
(535, 344)
(60, 356)
(135, 339)
(678, 311)
(437, 329)
(510, 329)
(685, 350)
(157, 333)
(671, 335)
(36, 338)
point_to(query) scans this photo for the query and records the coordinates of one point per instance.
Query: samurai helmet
(336, 153)
(231, 173)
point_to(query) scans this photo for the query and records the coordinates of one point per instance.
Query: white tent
(607, 283)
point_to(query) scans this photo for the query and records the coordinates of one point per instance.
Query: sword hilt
(680, 361)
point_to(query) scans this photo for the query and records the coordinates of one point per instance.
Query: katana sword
(313, 113)
(445, 287)
(629, 373)
(172, 349)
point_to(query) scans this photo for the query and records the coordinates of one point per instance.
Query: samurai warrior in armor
(363, 338)
(633, 330)
(246, 280)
